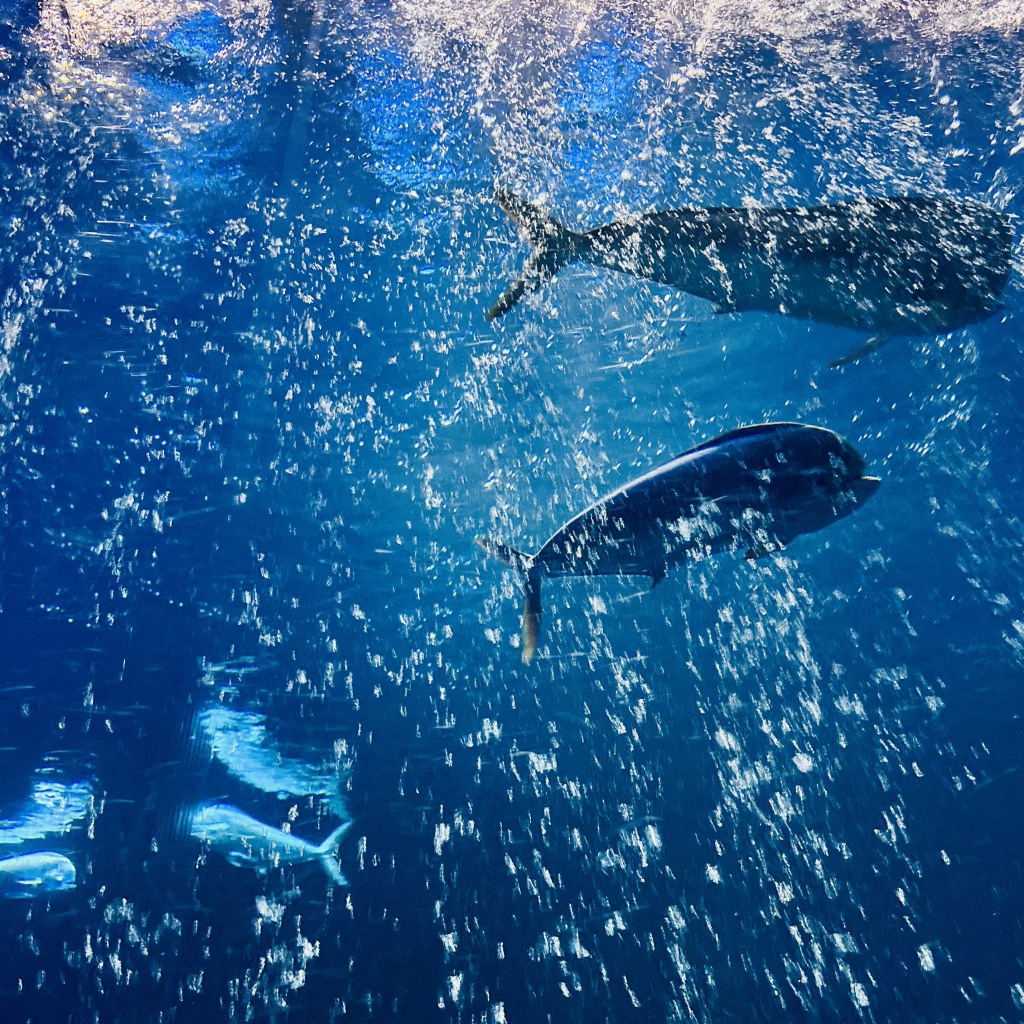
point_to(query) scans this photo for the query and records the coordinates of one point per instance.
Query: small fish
(899, 265)
(247, 843)
(239, 740)
(35, 874)
(757, 487)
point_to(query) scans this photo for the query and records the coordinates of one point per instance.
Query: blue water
(251, 418)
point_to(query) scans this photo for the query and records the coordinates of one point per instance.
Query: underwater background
(251, 419)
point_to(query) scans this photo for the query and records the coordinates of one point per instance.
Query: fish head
(58, 874)
(43, 872)
(823, 480)
(842, 485)
(852, 461)
(863, 488)
(834, 470)
(848, 466)
(214, 820)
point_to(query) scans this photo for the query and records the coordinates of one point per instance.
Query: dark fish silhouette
(889, 266)
(756, 487)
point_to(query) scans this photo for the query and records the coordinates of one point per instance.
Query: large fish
(35, 874)
(900, 265)
(757, 488)
(246, 842)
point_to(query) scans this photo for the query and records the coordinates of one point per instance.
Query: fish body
(240, 741)
(899, 265)
(246, 842)
(35, 874)
(757, 488)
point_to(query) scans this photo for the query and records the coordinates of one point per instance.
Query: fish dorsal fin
(732, 435)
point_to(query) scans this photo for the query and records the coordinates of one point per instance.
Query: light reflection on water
(53, 808)
(253, 419)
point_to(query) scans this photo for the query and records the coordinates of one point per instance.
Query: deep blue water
(251, 419)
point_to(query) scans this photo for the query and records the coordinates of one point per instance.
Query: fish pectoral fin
(869, 346)
(657, 575)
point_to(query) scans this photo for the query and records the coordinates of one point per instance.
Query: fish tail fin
(327, 851)
(505, 554)
(333, 869)
(531, 614)
(555, 247)
(330, 844)
(523, 564)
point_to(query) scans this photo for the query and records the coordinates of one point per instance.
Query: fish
(757, 487)
(240, 742)
(245, 842)
(887, 265)
(33, 874)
